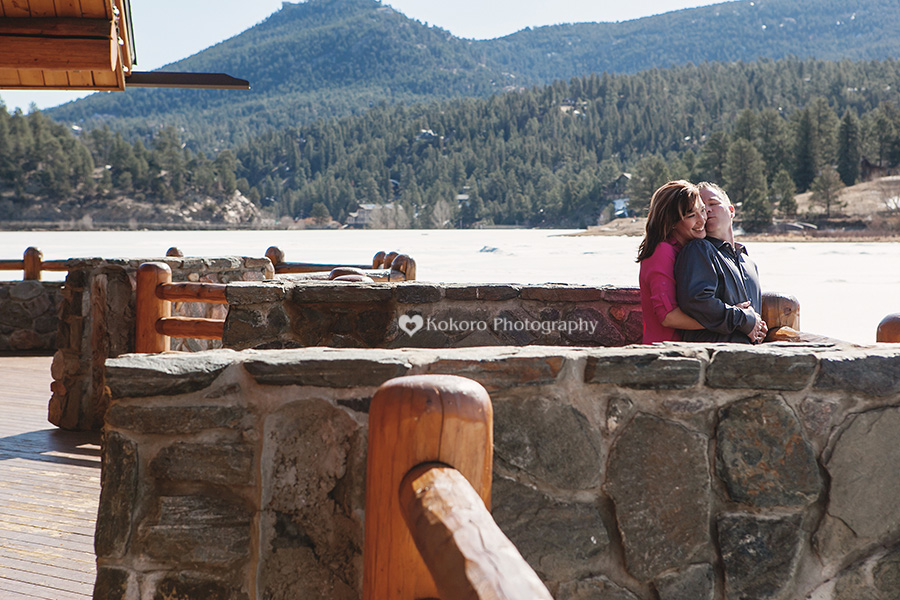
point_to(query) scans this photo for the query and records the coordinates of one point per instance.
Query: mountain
(327, 58)
(732, 31)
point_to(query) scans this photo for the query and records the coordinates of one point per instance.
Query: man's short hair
(707, 185)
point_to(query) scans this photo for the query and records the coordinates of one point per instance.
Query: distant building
(620, 208)
(362, 217)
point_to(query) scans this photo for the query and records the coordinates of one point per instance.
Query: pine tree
(745, 175)
(848, 148)
(826, 191)
(782, 193)
(649, 174)
(806, 153)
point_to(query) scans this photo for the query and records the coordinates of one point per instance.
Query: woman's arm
(677, 319)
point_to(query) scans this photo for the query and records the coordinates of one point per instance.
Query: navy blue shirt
(711, 277)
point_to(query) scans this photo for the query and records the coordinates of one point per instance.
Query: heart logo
(411, 324)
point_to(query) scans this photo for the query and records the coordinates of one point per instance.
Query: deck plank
(49, 490)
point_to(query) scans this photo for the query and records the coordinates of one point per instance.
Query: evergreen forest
(553, 155)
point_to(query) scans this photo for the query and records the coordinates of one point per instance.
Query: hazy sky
(168, 30)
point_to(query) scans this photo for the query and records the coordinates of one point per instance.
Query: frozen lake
(844, 289)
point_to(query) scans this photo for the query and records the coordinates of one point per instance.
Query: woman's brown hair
(668, 206)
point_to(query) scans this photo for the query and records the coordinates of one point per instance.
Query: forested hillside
(553, 155)
(327, 58)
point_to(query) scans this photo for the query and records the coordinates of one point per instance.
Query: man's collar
(719, 244)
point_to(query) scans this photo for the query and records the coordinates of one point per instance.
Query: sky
(166, 31)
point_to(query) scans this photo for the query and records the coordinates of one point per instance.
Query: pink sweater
(657, 281)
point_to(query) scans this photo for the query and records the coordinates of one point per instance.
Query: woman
(677, 216)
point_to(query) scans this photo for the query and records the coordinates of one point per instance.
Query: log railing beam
(188, 291)
(465, 551)
(414, 420)
(191, 327)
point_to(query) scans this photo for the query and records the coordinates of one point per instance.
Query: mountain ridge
(357, 53)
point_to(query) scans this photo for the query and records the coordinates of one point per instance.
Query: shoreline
(634, 227)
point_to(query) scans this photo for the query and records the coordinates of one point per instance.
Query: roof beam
(170, 79)
(58, 44)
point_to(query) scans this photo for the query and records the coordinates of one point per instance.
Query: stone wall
(96, 322)
(286, 314)
(668, 472)
(28, 320)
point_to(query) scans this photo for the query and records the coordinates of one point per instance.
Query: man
(714, 279)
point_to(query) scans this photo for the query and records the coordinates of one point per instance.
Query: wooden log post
(174, 252)
(406, 265)
(467, 554)
(389, 259)
(275, 255)
(150, 308)
(413, 420)
(780, 310)
(378, 260)
(889, 329)
(31, 262)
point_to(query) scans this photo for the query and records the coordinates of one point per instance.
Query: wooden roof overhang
(80, 45)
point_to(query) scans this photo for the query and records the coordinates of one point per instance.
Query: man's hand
(758, 334)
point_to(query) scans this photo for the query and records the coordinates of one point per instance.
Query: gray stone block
(496, 373)
(495, 292)
(200, 530)
(761, 368)
(763, 457)
(13, 314)
(213, 463)
(871, 372)
(621, 295)
(549, 440)
(591, 327)
(865, 485)
(561, 293)
(560, 540)
(177, 420)
(118, 496)
(759, 553)
(417, 293)
(254, 292)
(331, 292)
(196, 586)
(312, 526)
(658, 477)
(696, 582)
(141, 375)
(511, 327)
(26, 290)
(595, 588)
(877, 578)
(341, 371)
(646, 368)
(111, 584)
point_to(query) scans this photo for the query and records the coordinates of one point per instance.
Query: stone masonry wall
(285, 314)
(96, 322)
(668, 472)
(28, 320)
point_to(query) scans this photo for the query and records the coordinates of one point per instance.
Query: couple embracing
(697, 284)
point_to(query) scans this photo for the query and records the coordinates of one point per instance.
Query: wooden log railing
(384, 267)
(428, 532)
(153, 311)
(32, 264)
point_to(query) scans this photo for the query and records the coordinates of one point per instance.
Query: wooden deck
(49, 489)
